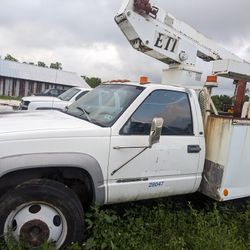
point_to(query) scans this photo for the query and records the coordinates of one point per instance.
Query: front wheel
(42, 210)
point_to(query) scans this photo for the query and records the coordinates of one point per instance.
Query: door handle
(192, 149)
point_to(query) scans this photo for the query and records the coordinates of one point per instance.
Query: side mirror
(155, 132)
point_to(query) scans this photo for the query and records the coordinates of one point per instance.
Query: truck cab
(123, 113)
(172, 166)
(103, 149)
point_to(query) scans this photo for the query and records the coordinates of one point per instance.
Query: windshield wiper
(84, 111)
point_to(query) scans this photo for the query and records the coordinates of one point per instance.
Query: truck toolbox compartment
(227, 167)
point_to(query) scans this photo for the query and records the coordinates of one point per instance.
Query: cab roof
(147, 85)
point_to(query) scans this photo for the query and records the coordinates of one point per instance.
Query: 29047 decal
(156, 184)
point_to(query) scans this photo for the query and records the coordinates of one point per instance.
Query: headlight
(24, 105)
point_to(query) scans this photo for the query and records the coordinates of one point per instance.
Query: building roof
(34, 73)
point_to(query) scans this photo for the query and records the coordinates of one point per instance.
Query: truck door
(170, 166)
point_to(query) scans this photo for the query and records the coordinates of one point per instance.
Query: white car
(50, 102)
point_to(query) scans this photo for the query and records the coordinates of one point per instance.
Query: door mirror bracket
(154, 137)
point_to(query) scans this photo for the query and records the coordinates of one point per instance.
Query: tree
(92, 81)
(41, 64)
(56, 65)
(221, 100)
(9, 57)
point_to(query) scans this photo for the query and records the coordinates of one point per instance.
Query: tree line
(55, 65)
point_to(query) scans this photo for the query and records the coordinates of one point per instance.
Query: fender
(47, 159)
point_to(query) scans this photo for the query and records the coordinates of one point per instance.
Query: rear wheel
(42, 210)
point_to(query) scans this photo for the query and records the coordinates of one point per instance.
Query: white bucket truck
(126, 141)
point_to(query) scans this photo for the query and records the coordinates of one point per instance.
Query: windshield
(66, 96)
(105, 104)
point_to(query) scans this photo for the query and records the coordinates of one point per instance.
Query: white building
(19, 79)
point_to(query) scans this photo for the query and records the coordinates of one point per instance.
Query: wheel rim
(37, 223)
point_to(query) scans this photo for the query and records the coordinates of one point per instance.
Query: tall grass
(170, 224)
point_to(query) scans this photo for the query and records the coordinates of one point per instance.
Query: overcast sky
(82, 34)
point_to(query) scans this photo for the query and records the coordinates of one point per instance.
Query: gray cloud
(90, 20)
(83, 36)
(221, 20)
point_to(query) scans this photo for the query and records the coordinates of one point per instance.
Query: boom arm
(153, 31)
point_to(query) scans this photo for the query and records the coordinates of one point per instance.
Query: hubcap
(36, 232)
(37, 223)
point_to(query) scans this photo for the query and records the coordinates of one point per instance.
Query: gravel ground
(4, 108)
(8, 105)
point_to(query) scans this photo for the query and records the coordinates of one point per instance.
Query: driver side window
(172, 106)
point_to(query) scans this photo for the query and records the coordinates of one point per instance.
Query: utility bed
(227, 168)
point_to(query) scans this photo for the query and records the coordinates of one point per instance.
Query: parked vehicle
(120, 143)
(49, 102)
(51, 92)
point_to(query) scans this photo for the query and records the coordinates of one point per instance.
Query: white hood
(41, 99)
(38, 124)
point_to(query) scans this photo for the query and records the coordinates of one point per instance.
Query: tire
(42, 210)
